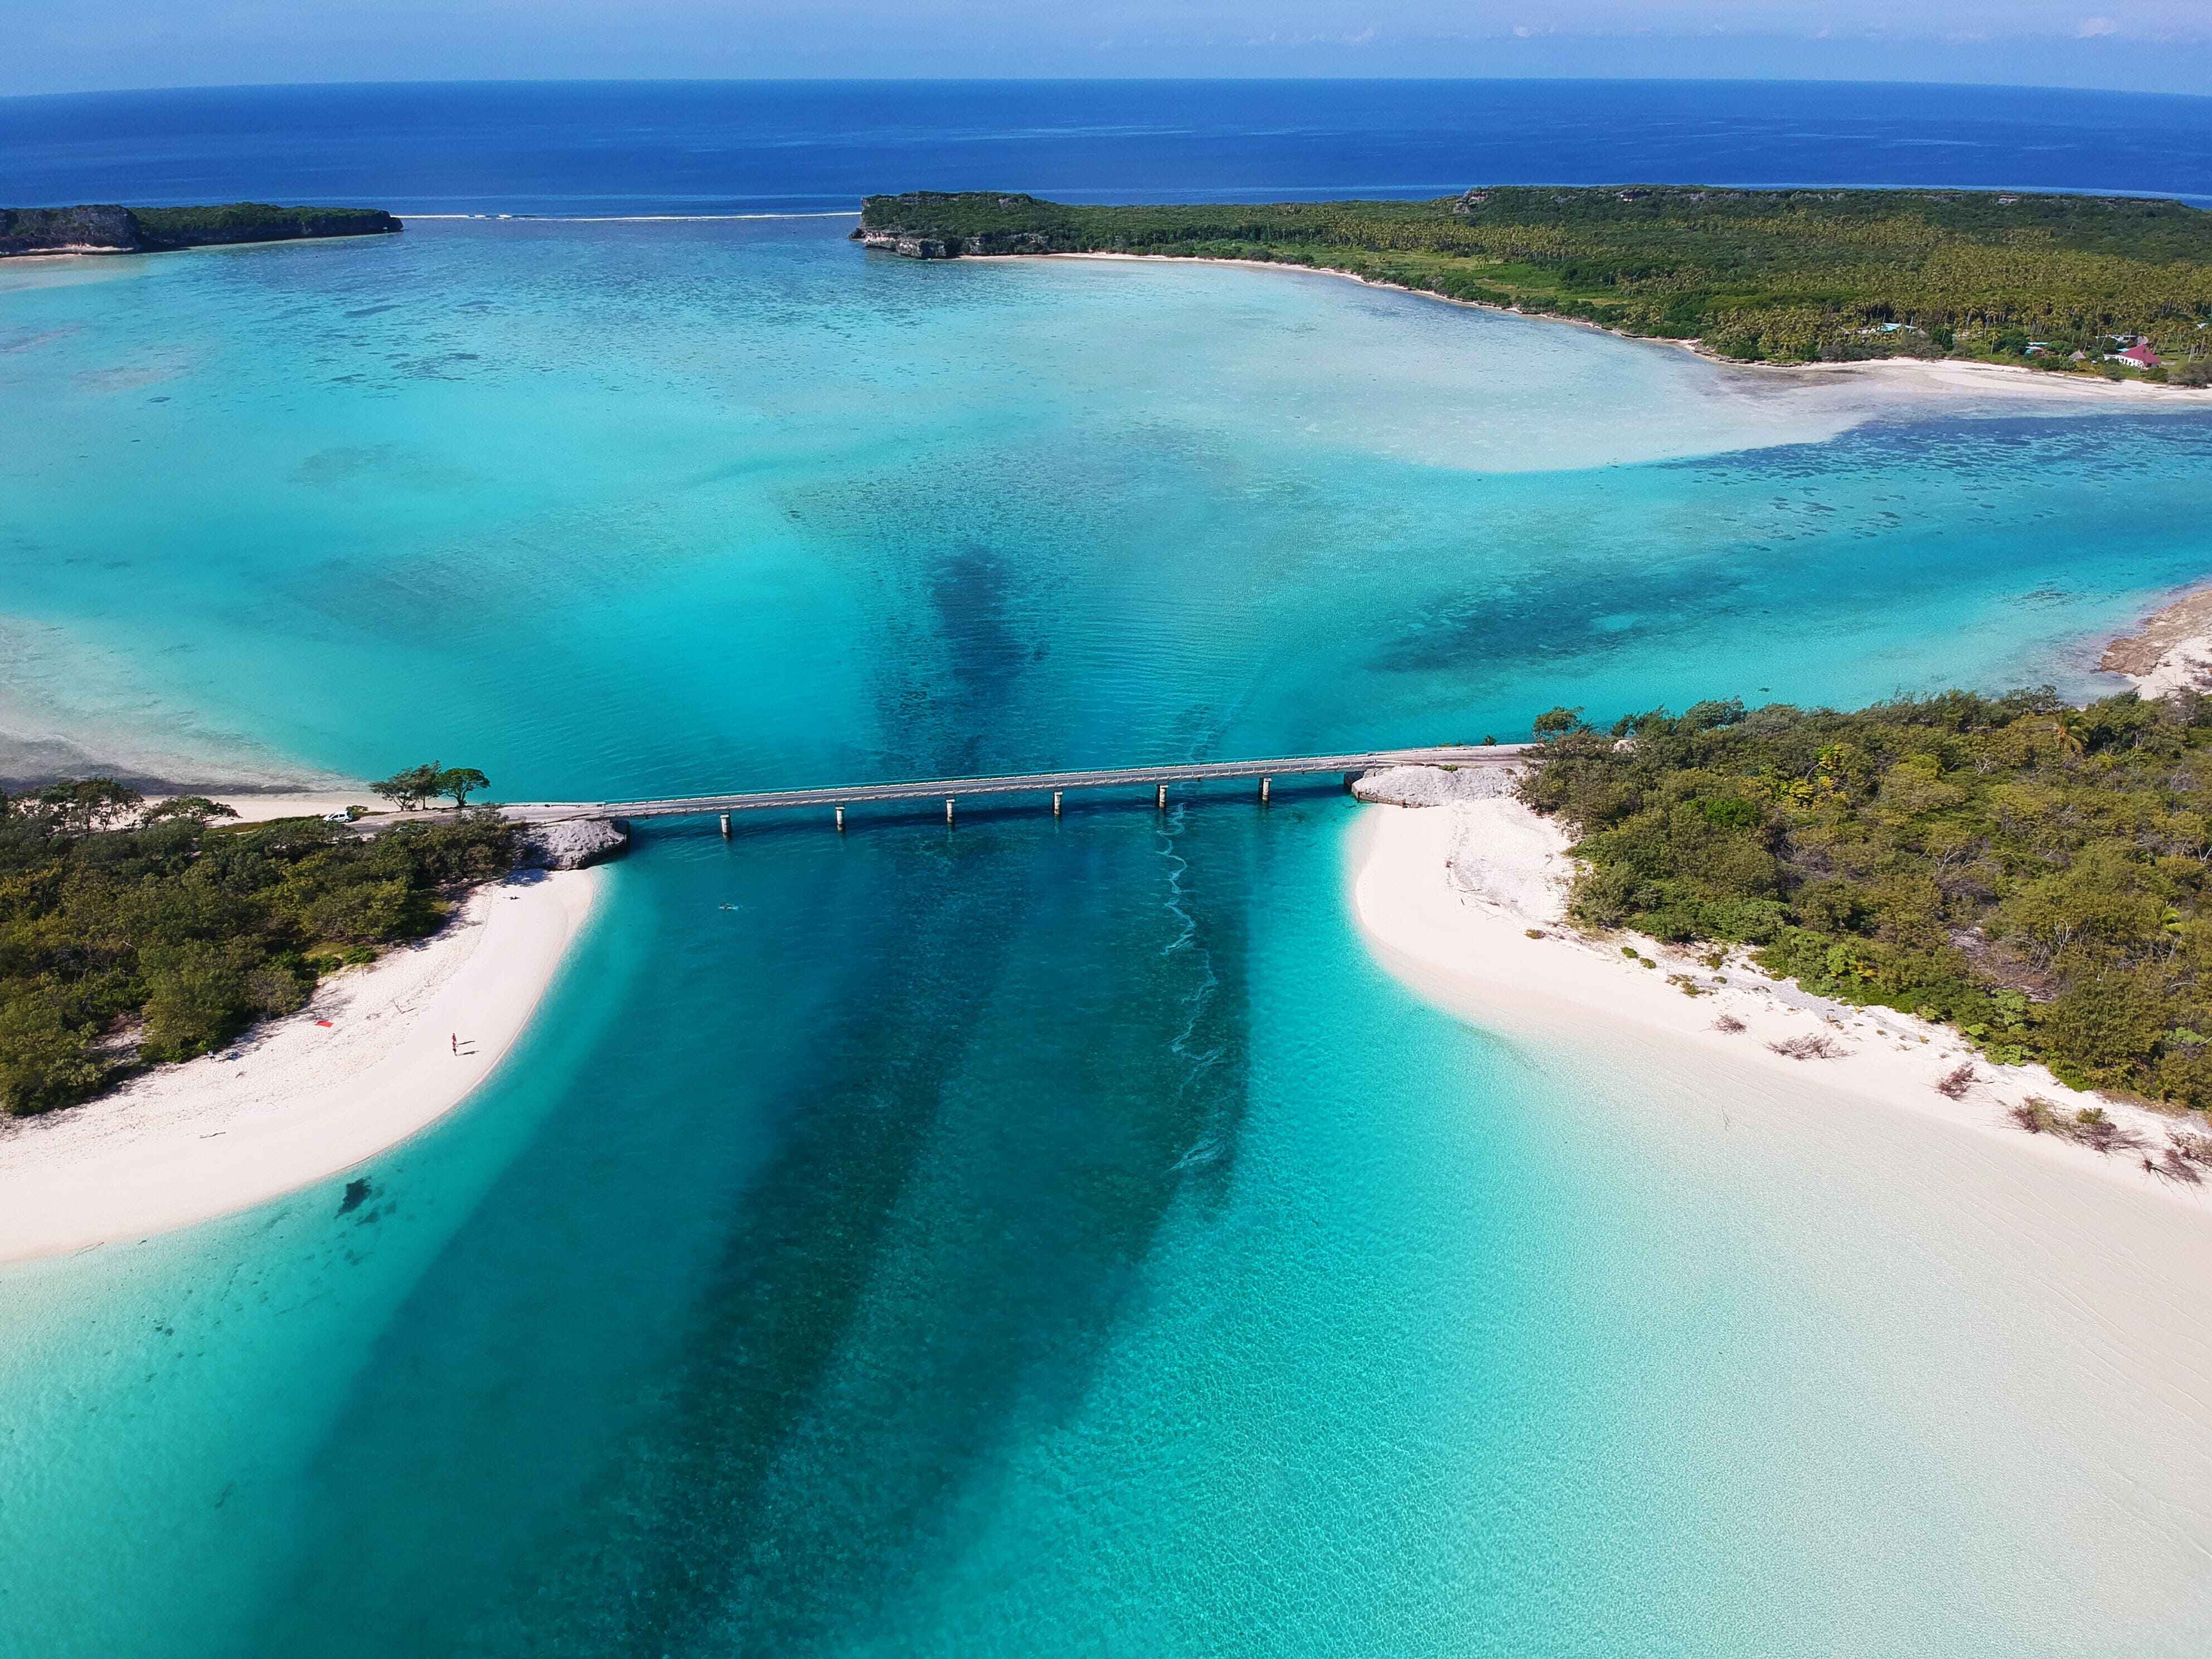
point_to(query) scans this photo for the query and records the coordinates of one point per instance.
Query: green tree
(411, 786)
(2069, 730)
(170, 932)
(460, 782)
(196, 997)
(357, 912)
(1780, 275)
(44, 1062)
(2039, 876)
(80, 806)
(197, 808)
(2104, 1028)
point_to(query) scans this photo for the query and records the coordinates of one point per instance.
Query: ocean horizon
(1042, 1234)
(595, 148)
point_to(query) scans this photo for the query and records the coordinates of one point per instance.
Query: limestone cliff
(67, 230)
(109, 229)
(932, 225)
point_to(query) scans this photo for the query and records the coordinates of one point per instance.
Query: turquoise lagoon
(1037, 1237)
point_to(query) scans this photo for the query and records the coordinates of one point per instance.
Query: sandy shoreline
(261, 809)
(1905, 374)
(1447, 895)
(369, 1063)
(2028, 1301)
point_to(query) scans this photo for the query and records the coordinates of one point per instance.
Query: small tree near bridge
(417, 785)
(460, 782)
(410, 787)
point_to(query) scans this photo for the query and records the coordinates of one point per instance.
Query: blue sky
(65, 46)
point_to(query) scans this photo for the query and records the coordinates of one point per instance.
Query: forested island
(2119, 285)
(2036, 874)
(132, 935)
(107, 229)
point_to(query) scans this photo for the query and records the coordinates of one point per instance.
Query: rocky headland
(110, 230)
(2171, 652)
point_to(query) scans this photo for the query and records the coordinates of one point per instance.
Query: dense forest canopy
(2033, 872)
(1785, 276)
(253, 221)
(113, 229)
(130, 936)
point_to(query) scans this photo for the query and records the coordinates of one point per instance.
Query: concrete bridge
(1057, 785)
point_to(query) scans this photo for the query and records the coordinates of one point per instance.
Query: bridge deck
(932, 789)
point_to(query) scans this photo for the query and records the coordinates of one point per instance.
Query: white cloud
(2093, 26)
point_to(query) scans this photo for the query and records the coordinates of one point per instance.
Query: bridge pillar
(948, 810)
(1264, 782)
(725, 826)
(1160, 799)
(1055, 803)
(840, 817)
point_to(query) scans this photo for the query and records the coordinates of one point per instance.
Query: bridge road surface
(1021, 783)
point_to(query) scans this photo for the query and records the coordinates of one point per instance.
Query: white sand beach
(2013, 380)
(2050, 1302)
(263, 809)
(1449, 896)
(371, 1061)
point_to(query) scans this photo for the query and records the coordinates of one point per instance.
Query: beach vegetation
(414, 786)
(2172, 1166)
(130, 936)
(2089, 1126)
(410, 786)
(1554, 721)
(145, 230)
(253, 221)
(197, 808)
(2036, 876)
(459, 782)
(1813, 1045)
(1768, 275)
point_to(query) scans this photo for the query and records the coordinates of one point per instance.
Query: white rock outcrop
(1435, 785)
(571, 843)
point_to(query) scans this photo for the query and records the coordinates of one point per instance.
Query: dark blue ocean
(755, 147)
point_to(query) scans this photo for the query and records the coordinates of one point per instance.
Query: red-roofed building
(2140, 354)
